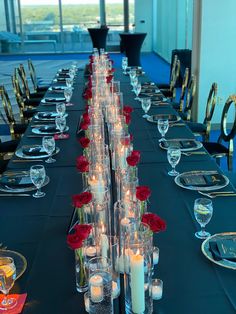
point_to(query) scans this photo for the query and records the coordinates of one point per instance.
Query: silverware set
(218, 194)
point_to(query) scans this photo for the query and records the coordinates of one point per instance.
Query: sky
(55, 2)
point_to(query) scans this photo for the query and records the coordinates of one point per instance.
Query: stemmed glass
(61, 108)
(146, 105)
(132, 75)
(203, 211)
(137, 90)
(38, 175)
(173, 156)
(7, 278)
(61, 125)
(163, 126)
(124, 64)
(68, 94)
(134, 82)
(69, 82)
(49, 146)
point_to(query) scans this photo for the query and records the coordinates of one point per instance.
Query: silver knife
(13, 194)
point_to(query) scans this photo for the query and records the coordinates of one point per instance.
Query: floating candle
(115, 290)
(155, 256)
(156, 292)
(96, 288)
(90, 251)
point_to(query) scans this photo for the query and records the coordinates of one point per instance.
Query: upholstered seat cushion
(32, 102)
(175, 105)
(167, 93)
(163, 86)
(197, 127)
(20, 128)
(29, 113)
(183, 115)
(3, 165)
(42, 89)
(215, 148)
(9, 146)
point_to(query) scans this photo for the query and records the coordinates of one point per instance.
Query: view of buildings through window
(62, 24)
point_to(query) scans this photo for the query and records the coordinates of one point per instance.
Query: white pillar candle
(96, 288)
(97, 188)
(115, 290)
(156, 292)
(137, 283)
(155, 258)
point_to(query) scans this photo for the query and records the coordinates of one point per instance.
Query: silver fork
(217, 194)
(193, 153)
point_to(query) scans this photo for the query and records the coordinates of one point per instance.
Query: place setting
(21, 182)
(172, 118)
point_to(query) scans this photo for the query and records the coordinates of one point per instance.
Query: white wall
(171, 24)
(214, 53)
(143, 22)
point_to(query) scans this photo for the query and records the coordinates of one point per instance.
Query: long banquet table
(37, 227)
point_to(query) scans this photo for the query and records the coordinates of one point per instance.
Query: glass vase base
(148, 307)
(81, 288)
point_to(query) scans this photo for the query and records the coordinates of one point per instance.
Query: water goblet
(163, 126)
(49, 146)
(137, 90)
(132, 74)
(124, 64)
(134, 82)
(61, 108)
(146, 105)
(203, 211)
(7, 278)
(61, 125)
(173, 156)
(68, 93)
(38, 175)
(69, 82)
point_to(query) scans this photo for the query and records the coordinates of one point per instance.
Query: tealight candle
(157, 289)
(97, 188)
(115, 290)
(96, 288)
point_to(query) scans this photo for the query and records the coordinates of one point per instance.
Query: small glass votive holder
(86, 301)
(157, 289)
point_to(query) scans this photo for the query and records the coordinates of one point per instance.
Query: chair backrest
(174, 73)
(225, 134)
(17, 91)
(190, 96)
(7, 105)
(211, 103)
(23, 81)
(33, 75)
(183, 88)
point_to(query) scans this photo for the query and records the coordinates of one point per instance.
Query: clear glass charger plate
(205, 249)
(176, 141)
(37, 131)
(171, 117)
(200, 173)
(19, 261)
(57, 88)
(16, 188)
(19, 153)
(51, 118)
(53, 99)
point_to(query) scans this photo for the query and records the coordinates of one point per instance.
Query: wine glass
(69, 82)
(61, 108)
(134, 82)
(203, 210)
(137, 90)
(124, 64)
(132, 74)
(173, 156)
(146, 105)
(49, 146)
(61, 125)
(7, 278)
(68, 94)
(163, 126)
(38, 175)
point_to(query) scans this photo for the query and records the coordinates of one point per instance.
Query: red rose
(86, 117)
(83, 230)
(109, 78)
(84, 142)
(82, 164)
(81, 199)
(134, 158)
(127, 109)
(84, 126)
(88, 94)
(127, 119)
(143, 193)
(155, 222)
(74, 241)
(131, 137)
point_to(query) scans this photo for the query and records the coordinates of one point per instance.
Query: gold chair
(168, 89)
(34, 79)
(179, 105)
(187, 109)
(203, 129)
(218, 150)
(16, 129)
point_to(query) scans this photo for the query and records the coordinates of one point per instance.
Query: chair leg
(230, 162)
